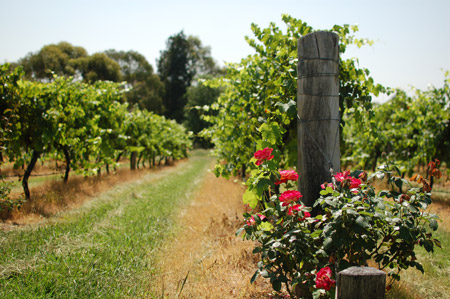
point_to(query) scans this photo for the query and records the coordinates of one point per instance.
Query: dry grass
(8, 170)
(204, 259)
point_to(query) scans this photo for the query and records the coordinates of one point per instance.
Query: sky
(412, 40)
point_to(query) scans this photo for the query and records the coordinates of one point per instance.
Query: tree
(146, 87)
(61, 59)
(199, 100)
(184, 58)
(64, 59)
(99, 67)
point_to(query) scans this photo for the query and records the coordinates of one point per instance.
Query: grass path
(103, 249)
(204, 258)
(168, 234)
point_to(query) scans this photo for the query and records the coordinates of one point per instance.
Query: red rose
(289, 196)
(295, 209)
(287, 175)
(323, 279)
(262, 155)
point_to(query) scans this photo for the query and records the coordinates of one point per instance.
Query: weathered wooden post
(361, 283)
(318, 112)
(318, 143)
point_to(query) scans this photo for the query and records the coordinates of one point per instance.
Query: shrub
(356, 224)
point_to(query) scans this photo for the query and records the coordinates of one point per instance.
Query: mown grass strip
(103, 249)
(435, 282)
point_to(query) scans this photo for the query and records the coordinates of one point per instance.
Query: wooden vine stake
(318, 112)
(361, 283)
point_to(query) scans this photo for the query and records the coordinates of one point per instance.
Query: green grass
(103, 249)
(435, 282)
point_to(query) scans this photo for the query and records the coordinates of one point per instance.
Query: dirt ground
(205, 259)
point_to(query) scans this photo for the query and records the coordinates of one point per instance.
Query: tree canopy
(184, 58)
(62, 59)
(146, 88)
(164, 93)
(200, 98)
(99, 67)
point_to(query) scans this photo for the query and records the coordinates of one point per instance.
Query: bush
(357, 224)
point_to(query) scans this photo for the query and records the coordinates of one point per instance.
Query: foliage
(356, 225)
(260, 94)
(199, 101)
(183, 59)
(145, 87)
(86, 123)
(98, 67)
(154, 136)
(5, 189)
(410, 130)
(62, 59)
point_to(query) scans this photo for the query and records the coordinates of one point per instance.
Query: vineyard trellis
(86, 125)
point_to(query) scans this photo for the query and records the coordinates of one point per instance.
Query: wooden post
(361, 283)
(318, 112)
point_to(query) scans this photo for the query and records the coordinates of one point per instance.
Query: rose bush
(357, 224)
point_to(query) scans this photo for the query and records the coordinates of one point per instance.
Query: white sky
(412, 37)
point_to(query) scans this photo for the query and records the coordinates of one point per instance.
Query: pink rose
(324, 186)
(340, 176)
(252, 220)
(347, 180)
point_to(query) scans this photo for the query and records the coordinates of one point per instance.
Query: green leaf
(265, 226)
(364, 213)
(290, 108)
(433, 224)
(404, 234)
(419, 267)
(136, 148)
(250, 198)
(363, 222)
(276, 284)
(437, 243)
(270, 132)
(252, 280)
(352, 212)
(316, 233)
(327, 243)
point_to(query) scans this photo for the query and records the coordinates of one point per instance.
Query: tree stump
(361, 283)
